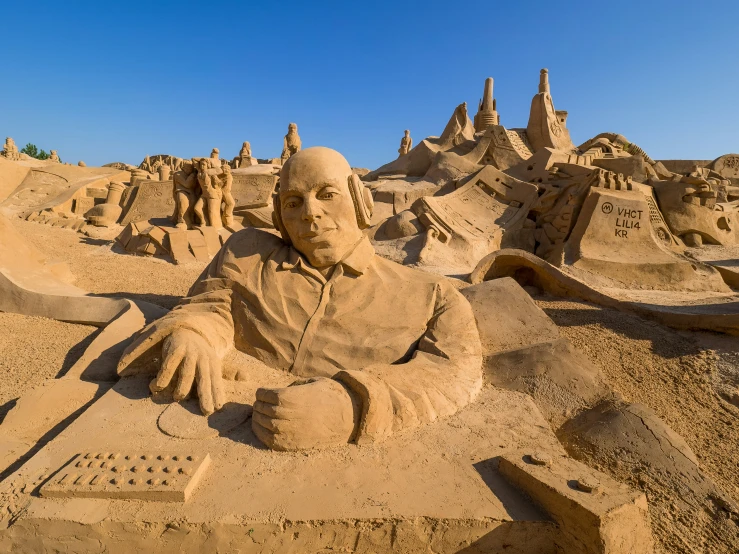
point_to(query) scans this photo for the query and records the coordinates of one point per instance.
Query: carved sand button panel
(157, 476)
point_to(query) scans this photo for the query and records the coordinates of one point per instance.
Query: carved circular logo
(607, 207)
(556, 129)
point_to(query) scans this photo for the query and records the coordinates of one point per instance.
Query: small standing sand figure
(406, 143)
(10, 150)
(214, 160)
(185, 183)
(215, 189)
(244, 158)
(54, 157)
(226, 178)
(291, 144)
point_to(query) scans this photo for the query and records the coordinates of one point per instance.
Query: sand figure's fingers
(171, 360)
(216, 377)
(270, 396)
(205, 390)
(263, 434)
(187, 377)
(272, 425)
(272, 411)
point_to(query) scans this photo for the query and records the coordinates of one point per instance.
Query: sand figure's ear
(363, 203)
(277, 218)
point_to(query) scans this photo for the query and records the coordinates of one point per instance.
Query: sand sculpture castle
(361, 364)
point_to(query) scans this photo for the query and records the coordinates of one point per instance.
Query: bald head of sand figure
(316, 206)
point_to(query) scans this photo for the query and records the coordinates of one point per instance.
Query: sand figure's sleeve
(444, 374)
(206, 311)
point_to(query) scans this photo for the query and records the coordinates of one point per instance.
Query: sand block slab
(142, 226)
(125, 236)
(137, 243)
(212, 240)
(149, 247)
(198, 245)
(157, 234)
(152, 476)
(507, 317)
(438, 484)
(179, 248)
(596, 513)
(224, 234)
(234, 227)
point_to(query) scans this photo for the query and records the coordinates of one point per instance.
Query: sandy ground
(672, 372)
(689, 379)
(101, 267)
(33, 349)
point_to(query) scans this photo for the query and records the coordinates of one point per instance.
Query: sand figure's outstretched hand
(190, 357)
(313, 414)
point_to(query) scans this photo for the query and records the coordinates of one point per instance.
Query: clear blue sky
(114, 81)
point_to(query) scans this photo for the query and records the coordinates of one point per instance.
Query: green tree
(31, 150)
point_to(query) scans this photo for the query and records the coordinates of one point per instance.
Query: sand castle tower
(486, 113)
(546, 128)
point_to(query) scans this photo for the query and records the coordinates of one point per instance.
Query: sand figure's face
(317, 207)
(214, 154)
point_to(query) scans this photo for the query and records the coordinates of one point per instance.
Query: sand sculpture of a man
(214, 160)
(54, 157)
(10, 150)
(244, 157)
(383, 347)
(184, 185)
(291, 144)
(406, 143)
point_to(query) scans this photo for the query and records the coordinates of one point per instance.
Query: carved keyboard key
(117, 481)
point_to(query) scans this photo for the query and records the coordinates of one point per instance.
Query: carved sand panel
(157, 476)
(152, 199)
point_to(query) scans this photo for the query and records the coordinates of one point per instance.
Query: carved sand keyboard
(158, 476)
